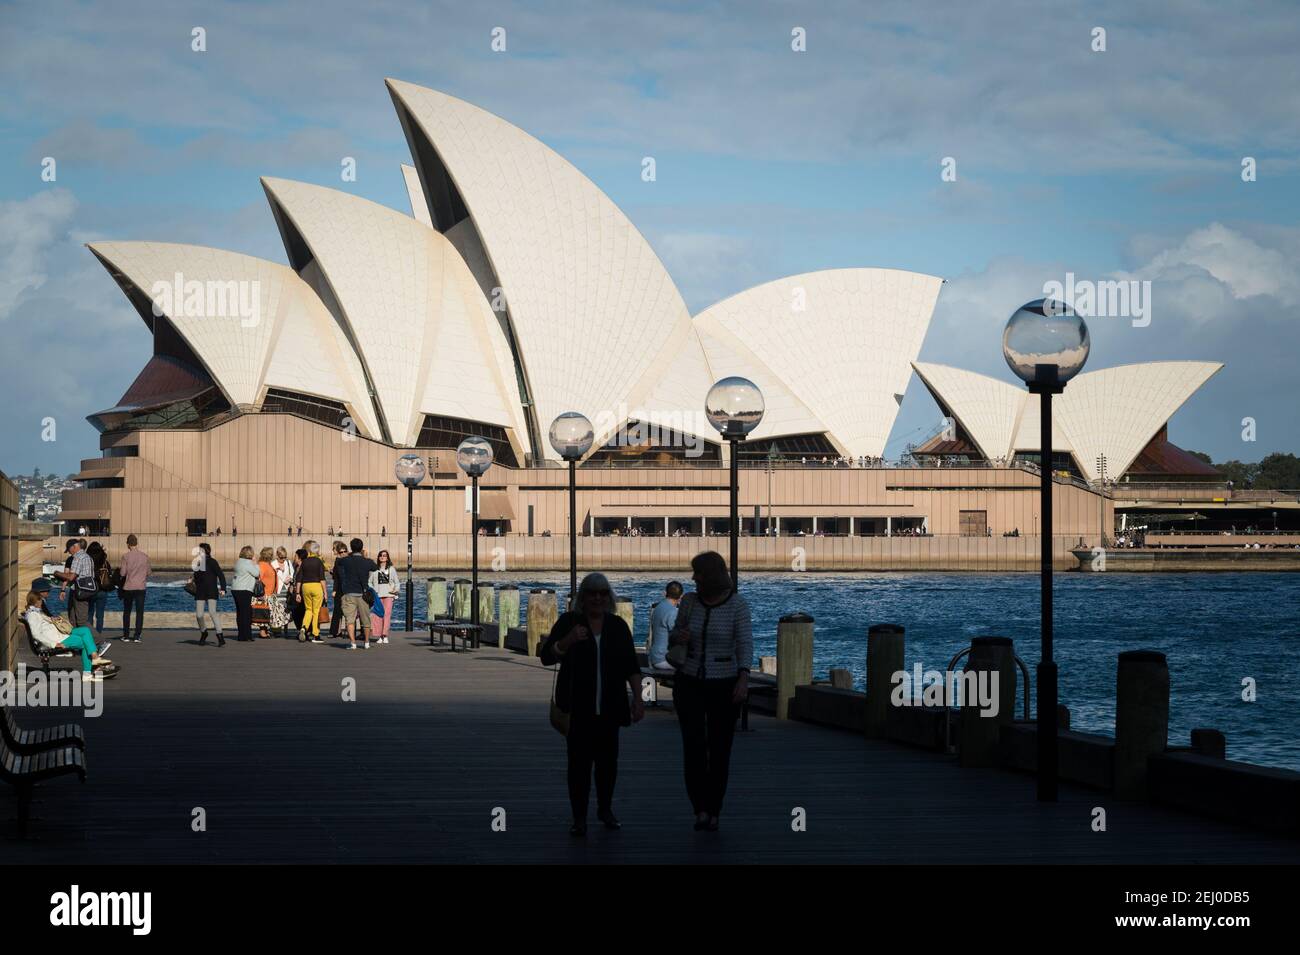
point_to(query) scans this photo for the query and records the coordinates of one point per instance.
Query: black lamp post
(734, 406)
(474, 457)
(410, 471)
(1046, 344)
(571, 437)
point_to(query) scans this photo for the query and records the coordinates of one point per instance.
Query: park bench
(41, 651)
(450, 628)
(44, 653)
(24, 771)
(25, 742)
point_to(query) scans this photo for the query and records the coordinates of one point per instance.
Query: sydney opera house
(278, 397)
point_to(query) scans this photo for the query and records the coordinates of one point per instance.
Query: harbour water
(1217, 629)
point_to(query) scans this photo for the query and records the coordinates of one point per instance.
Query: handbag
(190, 588)
(259, 588)
(86, 588)
(678, 652)
(323, 615)
(62, 624)
(559, 718)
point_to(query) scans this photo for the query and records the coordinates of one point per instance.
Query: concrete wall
(264, 473)
(817, 554)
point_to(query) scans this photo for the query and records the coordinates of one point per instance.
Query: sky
(993, 144)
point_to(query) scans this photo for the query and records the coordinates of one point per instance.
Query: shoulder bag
(677, 652)
(559, 718)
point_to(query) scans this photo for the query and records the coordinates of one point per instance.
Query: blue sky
(770, 162)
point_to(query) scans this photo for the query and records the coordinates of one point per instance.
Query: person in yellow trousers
(310, 588)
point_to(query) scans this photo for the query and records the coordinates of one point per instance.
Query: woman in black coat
(597, 661)
(209, 585)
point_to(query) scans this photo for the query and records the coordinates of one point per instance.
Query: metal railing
(947, 723)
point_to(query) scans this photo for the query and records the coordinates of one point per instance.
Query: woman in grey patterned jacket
(713, 628)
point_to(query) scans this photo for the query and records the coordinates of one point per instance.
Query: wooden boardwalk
(259, 737)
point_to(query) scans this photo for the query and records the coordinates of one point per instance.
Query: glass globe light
(474, 455)
(734, 406)
(1045, 343)
(410, 469)
(571, 435)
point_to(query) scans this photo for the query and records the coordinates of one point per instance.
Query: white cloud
(1244, 266)
(28, 228)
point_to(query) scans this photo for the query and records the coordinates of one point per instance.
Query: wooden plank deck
(257, 734)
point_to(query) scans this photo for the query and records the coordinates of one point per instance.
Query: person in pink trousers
(385, 582)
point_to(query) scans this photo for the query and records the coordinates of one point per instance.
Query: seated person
(44, 632)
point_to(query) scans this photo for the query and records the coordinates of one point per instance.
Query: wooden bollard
(884, 659)
(487, 603)
(794, 653)
(1141, 718)
(1209, 742)
(980, 733)
(541, 617)
(508, 616)
(435, 597)
(842, 679)
(460, 598)
(624, 609)
(767, 665)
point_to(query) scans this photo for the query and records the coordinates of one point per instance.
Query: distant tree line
(1275, 473)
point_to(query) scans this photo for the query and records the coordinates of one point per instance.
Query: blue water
(1216, 629)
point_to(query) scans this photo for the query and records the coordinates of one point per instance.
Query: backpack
(104, 576)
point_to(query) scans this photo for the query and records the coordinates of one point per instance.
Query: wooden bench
(41, 651)
(451, 628)
(25, 742)
(44, 653)
(24, 771)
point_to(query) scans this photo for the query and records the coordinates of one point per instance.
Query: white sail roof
(578, 278)
(841, 341)
(206, 294)
(414, 313)
(1111, 411)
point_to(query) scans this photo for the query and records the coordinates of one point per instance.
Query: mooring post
(794, 653)
(1141, 718)
(508, 618)
(435, 597)
(541, 617)
(991, 658)
(885, 643)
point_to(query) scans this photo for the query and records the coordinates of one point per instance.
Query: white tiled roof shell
(987, 409)
(415, 194)
(397, 281)
(846, 354)
(783, 413)
(1117, 410)
(596, 316)
(295, 344)
(1112, 411)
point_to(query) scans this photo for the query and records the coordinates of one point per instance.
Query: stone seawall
(451, 553)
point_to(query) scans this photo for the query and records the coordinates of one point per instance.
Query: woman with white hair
(597, 659)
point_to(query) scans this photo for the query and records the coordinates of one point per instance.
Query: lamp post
(410, 471)
(734, 406)
(1046, 344)
(1101, 498)
(771, 466)
(571, 437)
(474, 456)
